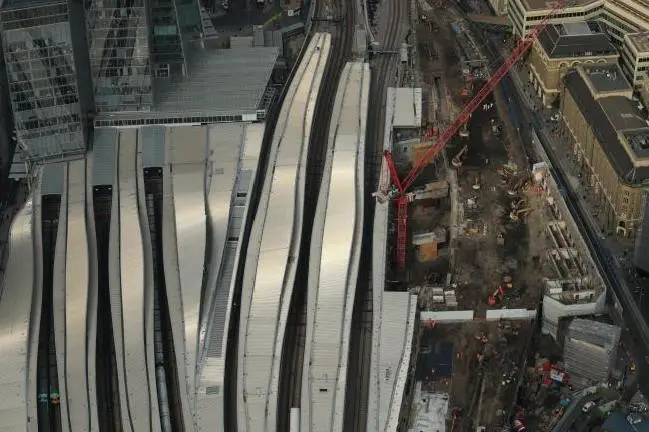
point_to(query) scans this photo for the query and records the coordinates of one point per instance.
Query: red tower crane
(400, 187)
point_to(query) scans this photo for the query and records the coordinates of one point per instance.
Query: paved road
(573, 412)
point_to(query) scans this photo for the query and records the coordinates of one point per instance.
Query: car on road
(588, 406)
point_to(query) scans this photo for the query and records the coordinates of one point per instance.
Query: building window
(162, 71)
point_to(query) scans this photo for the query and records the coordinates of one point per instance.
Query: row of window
(70, 123)
(43, 15)
(63, 84)
(136, 12)
(45, 103)
(122, 90)
(174, 120)
(568, 14)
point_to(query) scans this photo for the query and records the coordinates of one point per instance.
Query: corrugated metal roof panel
(238, 76)
(335, 257)
(52, 182)
(407, 108)
(273, 276)
(15, 310)
(153, 146)
(104, 151)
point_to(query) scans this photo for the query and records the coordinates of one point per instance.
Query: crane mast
(401, 186)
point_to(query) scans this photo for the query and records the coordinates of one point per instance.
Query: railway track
(48, 412)
(384, 67)
(342, 37)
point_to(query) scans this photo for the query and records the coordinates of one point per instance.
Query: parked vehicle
(588, 406)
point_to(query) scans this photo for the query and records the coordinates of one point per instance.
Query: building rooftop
(639, 41)
(638, 141)
(608, 116)
(407, 106)
(605, 78)
(594, 332)
(534, 5)
(19, 4)
(238, 76)
(580, 39)
(623, 113)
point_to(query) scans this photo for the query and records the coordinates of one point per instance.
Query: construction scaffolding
(590, 351)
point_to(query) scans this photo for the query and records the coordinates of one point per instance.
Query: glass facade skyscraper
(118, 44)
(42, 78)
(67, 60)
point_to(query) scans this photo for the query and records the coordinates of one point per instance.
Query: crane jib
(444, 138)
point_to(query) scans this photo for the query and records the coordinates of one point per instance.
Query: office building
(6, 132)
(635, 56)
(562, 46)
(499, 6)
(119, 52)
(590, 351)
(48, 78)
(617, 17)
(610, 139)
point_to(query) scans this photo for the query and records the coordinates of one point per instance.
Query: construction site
(470, 372)
(479, 232)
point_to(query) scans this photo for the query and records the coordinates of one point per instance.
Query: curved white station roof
(71, 290)
(394, 312)
(16, 296)
(335, 255)
(274, 246)
(207, 172)
(228, 221)
(131, 290)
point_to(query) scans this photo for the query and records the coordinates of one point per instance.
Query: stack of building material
(427, 252)
(438, 295)
(590, 351)
(450, 298)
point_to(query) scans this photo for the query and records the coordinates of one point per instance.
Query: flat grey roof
(608, 116)
(407, 106)
(638, 140)
(622, 113)
(576, 29)
(579, 39)
(640, 41)
(606, 77)
(22, 4)
(531, 5)
(219, 81)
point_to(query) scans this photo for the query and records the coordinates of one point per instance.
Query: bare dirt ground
(482, 390)
(491, 246)
(480, 260)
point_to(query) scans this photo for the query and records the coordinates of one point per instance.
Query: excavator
(457, 159)
(476, 183)
(515, 215)
(518, 210)
(496, 296)
(516, 185)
